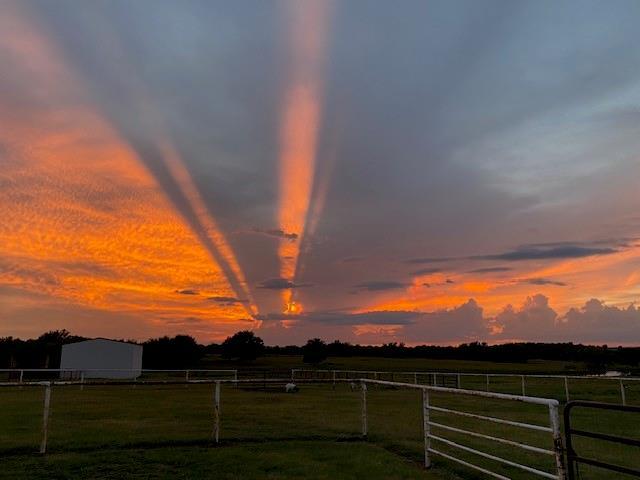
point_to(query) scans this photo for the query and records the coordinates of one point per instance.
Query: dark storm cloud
(547, 253)
(280, 284)
(542, 281)
(380, 285)
(490, 270)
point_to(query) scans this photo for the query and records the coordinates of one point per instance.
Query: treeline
(182, 351)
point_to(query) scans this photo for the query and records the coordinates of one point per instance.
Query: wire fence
(68, 415)
(624, 389)
(22, 375)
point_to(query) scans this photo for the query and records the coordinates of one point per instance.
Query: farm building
(102, 358)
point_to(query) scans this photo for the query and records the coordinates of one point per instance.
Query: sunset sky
(370, 171)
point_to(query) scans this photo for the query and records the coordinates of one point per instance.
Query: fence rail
(432, 378)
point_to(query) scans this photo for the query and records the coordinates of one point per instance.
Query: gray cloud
(490, 270)
(188, 291)
(380, 285)
(280, 284)
(353, 319)
(228, 301)
(542, 281)
(547, 253)
(276, 233)
(426, 271)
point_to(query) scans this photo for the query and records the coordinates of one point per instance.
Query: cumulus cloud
(597, 322)
(594, 322)
(532, 320)
(463, 323)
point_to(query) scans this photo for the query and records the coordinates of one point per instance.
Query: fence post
(415, 378)
(21, 375)
(524, 391)
(186, 375)
(216, 414)
(487, 382)
(566, 388)
(558, 448)
(426, 427)
(459, 380)
(433, 379)
(622, 393)
(45, 417)
(333, 373)
(364, 408)
(82, 380)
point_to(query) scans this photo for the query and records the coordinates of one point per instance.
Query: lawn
(277, 460)
(166, 431)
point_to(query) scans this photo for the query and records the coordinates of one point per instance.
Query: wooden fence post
(364, 409)
(216, 414)
(45, 418)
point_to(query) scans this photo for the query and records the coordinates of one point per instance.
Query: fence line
(427, 407)
(458, 375)
(87, 372)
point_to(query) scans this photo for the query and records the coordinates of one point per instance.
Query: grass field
(165, 431)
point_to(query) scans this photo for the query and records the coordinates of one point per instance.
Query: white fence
(553, 427)
(431, 378)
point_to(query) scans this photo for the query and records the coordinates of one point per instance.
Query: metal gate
(574, 458)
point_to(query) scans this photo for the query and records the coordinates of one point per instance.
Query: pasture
(166, 431)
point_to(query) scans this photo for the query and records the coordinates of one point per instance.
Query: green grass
(279, 460)
(165, 431)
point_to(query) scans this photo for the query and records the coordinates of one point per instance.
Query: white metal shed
(101, 358)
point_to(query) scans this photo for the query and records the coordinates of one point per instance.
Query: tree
(181, 351)
(315, 351)
(243, 345)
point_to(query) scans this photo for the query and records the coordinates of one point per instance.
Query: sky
(425, 172)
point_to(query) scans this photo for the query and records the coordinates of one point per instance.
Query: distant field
(165, 432)
(285, 362)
